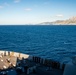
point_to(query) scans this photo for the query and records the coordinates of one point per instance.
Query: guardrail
(46, 62)
(49, 63)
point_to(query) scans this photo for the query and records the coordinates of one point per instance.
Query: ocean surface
(49, 41)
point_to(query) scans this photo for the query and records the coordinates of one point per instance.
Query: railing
(49, 63)
(46, 62)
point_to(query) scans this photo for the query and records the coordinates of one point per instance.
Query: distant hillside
(70, 21)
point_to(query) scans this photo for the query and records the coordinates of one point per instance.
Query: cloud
(1, 7)
(59, 15)
(27, 9)
(17, 1)
(6, 4)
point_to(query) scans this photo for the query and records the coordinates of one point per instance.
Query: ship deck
(7, 65)
(19, 64)
(7, 62)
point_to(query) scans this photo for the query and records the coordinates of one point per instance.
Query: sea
(56, 42)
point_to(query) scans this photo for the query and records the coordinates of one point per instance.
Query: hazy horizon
(17, 12)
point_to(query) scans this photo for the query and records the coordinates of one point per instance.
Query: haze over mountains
(70, 21)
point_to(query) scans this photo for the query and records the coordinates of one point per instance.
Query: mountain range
(70, 21)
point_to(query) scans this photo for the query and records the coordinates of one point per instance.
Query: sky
(13, 12)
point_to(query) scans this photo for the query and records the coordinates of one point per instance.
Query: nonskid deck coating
(7, 61)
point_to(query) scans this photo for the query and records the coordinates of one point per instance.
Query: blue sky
(35, 11)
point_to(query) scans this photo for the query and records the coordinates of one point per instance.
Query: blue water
(52, 42)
